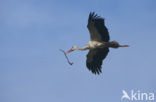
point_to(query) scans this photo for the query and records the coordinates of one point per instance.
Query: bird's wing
(97, 28)
(95, 58)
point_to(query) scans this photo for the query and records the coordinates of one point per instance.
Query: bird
(125, 95)
(98, 45)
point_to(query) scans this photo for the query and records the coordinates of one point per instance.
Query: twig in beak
(71, 63)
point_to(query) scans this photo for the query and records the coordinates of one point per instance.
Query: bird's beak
(124, 46)
(69, 51)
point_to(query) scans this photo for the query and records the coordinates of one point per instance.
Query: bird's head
(72, 49)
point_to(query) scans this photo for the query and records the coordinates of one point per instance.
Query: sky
(32, 69)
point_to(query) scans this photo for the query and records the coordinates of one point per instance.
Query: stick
(71, 63)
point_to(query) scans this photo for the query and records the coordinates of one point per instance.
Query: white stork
(98, 45)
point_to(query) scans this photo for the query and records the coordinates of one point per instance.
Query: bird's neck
(84, 48)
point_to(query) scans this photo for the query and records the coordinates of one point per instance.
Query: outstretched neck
(84, 48)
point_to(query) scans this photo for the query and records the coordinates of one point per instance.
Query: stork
(98, 45)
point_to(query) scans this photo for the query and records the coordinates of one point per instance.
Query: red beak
(124, 46)
(69, 51)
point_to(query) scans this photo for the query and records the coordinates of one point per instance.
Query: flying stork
(98, 45)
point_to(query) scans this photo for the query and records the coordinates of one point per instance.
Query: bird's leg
(123, 45)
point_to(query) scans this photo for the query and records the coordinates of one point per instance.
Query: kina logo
(137, 96)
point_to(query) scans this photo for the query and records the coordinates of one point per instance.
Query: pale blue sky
(32, 69)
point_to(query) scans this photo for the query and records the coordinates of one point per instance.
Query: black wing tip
(95, 69)
(96, 72)
(93, 16)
